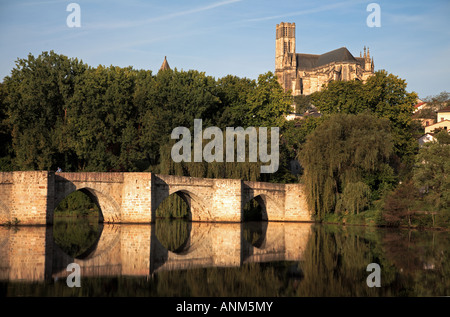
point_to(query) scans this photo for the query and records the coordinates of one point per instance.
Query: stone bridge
(32, 196)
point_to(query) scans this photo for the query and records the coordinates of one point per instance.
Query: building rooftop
(306, 61)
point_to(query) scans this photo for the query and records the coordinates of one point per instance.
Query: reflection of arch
(89, 251)
(109, 209)
(184, 247)
(100, 253)
(257, 229)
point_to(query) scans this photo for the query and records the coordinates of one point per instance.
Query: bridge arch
(261, 199)
(270, 206)
(110, 211)
(197, 207)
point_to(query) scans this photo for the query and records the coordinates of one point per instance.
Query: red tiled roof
(419, 104)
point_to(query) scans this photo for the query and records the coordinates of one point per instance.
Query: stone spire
(165, 64)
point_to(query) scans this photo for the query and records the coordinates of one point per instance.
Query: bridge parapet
(32, 196)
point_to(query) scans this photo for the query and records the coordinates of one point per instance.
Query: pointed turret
(165, 64)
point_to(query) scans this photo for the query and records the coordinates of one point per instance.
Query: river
(253, 259)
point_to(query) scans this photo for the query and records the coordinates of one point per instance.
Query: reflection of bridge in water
(31, 254)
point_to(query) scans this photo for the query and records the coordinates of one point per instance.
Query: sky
(237, 37)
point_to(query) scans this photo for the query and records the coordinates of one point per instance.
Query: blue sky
(237, 37)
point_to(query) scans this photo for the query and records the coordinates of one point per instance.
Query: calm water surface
(179, 258)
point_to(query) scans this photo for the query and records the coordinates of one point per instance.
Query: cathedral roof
(306, 61)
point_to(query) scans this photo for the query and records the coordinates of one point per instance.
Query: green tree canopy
(58, 112)
(36, 96)
(384, 95)
(432, 171)
(345, 159)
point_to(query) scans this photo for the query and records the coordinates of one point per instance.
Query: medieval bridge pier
(32, 196)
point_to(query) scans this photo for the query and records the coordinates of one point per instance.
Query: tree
(432, 170)
(59, 112)
(341, 97)
(343, 159)
(267, 103)
(102, 120)
(233, 93)
(384, 95)
(439, 101)
(36, 96)
(302, 103)
(399, 204)
(6, 150)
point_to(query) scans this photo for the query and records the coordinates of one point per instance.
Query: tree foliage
(432, 170)
(60, 112)
(384, 95)
(399, 204)
(36, 94)
(345, 159)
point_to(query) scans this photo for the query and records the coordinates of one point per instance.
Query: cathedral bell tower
(285, 43)
(285, 57)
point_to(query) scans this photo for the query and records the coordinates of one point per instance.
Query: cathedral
(304, 74)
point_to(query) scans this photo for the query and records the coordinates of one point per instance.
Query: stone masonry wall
(29, 200)
(296, 206)
(137, 197)
(227, 200)
(32, 196)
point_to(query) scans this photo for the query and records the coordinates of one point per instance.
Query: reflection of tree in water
(402, 250)
(335, 262)
(412, 263)
(173, 233)
(422, 257)
(75, 236)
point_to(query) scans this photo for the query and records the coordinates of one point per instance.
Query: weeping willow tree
(173, 206)
(345, 162)
(248, 171)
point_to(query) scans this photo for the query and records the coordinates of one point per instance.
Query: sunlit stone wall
(31, 197)
(28, 199)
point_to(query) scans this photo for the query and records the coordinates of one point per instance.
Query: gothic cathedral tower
(285, 42)
(303, 74)
(285, 56)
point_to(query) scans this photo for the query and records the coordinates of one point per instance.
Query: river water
(185, 259)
